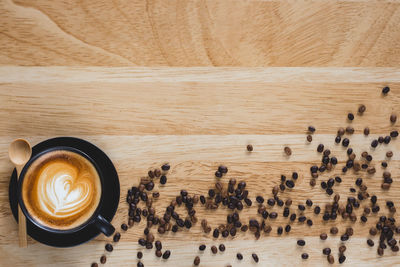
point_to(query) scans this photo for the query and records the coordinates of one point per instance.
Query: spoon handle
(22, 235)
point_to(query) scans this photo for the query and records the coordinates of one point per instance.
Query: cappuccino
(61, 189)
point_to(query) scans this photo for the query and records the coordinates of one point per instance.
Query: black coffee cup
(96, 219)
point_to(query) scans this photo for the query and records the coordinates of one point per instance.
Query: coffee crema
(61, 189)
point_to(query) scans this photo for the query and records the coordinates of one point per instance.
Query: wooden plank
(200, 33)
(196, 119)
(193, 101)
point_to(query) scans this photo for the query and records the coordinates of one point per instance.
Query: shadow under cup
(95, 219)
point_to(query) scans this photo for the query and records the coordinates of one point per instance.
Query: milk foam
(62, 191)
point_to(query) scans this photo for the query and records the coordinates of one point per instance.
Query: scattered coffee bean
(124, 227)
(140, 264)
(301, 242)
(165, 167)
(370, 242)
(304, 256)
(139, 255)
(166, 254)
(326, 251)
(342, 258)
(334, 230)
(249, 148)
(393, 118)
(342, 249)
(320, 148)
(323, 236)
(288, 151)
(196, 261)
(309, 138)
(239, 256)
(214, 249)
(361, 109)
(103, 259)
(94, 264)
(109, 247)
(366, 131)
(221, 247)
(158, 253)
(385, 90)
(255, 257)
(163, 179)
(330, 258)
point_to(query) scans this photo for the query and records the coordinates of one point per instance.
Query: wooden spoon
(20, 152)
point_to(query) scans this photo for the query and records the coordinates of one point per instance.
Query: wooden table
(137, 78)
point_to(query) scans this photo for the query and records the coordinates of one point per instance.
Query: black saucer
(110, 196)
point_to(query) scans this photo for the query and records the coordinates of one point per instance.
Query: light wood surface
(196, 119)
(200, 33)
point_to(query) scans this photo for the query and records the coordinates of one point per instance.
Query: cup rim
(44, 227)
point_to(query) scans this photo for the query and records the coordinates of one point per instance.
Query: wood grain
(196, 119)
(200, 33)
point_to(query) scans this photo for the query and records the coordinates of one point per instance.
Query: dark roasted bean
(166, 254)
(239, 256)
(109, 247)
(249, 148)
(255, 257)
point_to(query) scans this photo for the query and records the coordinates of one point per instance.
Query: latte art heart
(61, 189)
(63, 192)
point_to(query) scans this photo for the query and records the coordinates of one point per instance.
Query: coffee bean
(309, 138)
(380, 139)
(163, 179)
(139, 255)
(109, 247)
(330, 258)
(361, 109)
(124, 227)
(249, 148)
(380, 251)
(165, 167)
(389, 154)
(345, 142)
(342, 258)
(301, 242)
(216, 233)
(158, 253)
(334, 230)
(103, 259)
(94, 264)
(342, 249)
(239, 256)
(326, 251)
(320, 148)
(317, 210)
(214, 249)
(221, 247)
(117, 237)
(393, 118)
(289, 183)
(223, 169)
(370, 242)
(374, 143)
(140, 264)
(323, 236)
(279, 230)
(196, 260)
(255, 257)
(218, 174)
(202, 247)
(338, 139)
(166, 254)
(158, 245)
(350, 116)
(288, 151)
(366, 131)
(385, 90)
(394, 134)
(349, 130)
